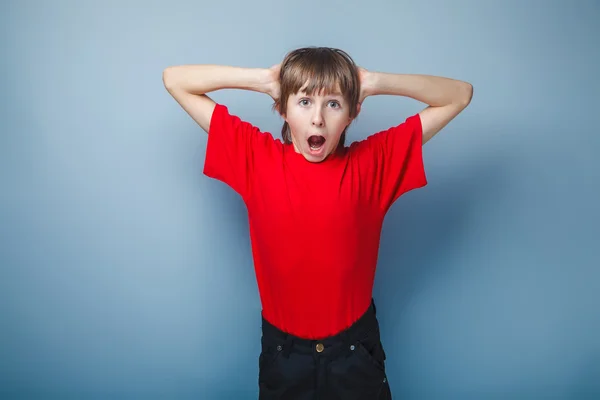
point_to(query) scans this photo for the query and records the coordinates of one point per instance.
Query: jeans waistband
(366, 325)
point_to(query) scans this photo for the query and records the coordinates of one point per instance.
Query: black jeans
(347, 366)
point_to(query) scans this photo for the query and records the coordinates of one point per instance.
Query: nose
(317, 118)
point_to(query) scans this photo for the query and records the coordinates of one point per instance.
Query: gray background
(125, 273)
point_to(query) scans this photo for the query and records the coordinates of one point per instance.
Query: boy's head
(319, 98)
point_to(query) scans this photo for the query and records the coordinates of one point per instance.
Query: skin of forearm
(431, 90)
(201, 79)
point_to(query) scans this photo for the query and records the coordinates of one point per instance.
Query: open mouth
(316, 143)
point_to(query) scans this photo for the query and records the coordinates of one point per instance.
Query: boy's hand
(273, 88)
(365, 84)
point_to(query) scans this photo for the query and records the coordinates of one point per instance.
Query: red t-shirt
(314, 227)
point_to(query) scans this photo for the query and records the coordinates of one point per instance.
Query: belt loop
(347, 341)
(287, 347)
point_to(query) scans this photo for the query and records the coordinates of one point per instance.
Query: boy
(316, 206)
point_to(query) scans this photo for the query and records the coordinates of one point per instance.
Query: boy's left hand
(363, 77)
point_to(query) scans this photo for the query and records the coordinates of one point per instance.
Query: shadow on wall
(422, 230)
(587, 382)
(422, 233)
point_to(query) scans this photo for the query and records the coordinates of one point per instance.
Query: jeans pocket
(270, 350)
(359, 373)
(371, 353)
(282, 373)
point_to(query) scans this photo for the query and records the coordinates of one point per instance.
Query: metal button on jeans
(320, 347)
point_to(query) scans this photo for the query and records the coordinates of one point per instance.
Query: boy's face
(317, 122)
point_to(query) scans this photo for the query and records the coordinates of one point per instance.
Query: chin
(315, 158)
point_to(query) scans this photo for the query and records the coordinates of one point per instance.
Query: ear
(358, 108)
(277, 108)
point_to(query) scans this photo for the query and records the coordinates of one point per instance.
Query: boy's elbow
(167, 78)
(172, 77)
(467, 93)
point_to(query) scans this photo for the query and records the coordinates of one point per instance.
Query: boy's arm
(445, 97)
(188, 84)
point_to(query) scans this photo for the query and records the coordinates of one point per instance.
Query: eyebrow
(329, 94)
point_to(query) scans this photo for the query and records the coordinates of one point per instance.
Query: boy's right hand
(273, 88)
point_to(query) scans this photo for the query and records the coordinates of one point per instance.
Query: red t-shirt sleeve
(233, 145)
(392, 162)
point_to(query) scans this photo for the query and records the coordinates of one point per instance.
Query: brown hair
(324, 68)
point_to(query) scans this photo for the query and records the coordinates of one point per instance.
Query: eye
(303, 102)
(334, 104)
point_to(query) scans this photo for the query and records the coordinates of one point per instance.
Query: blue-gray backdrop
(125, 273)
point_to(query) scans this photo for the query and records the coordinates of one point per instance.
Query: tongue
(316, 141)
